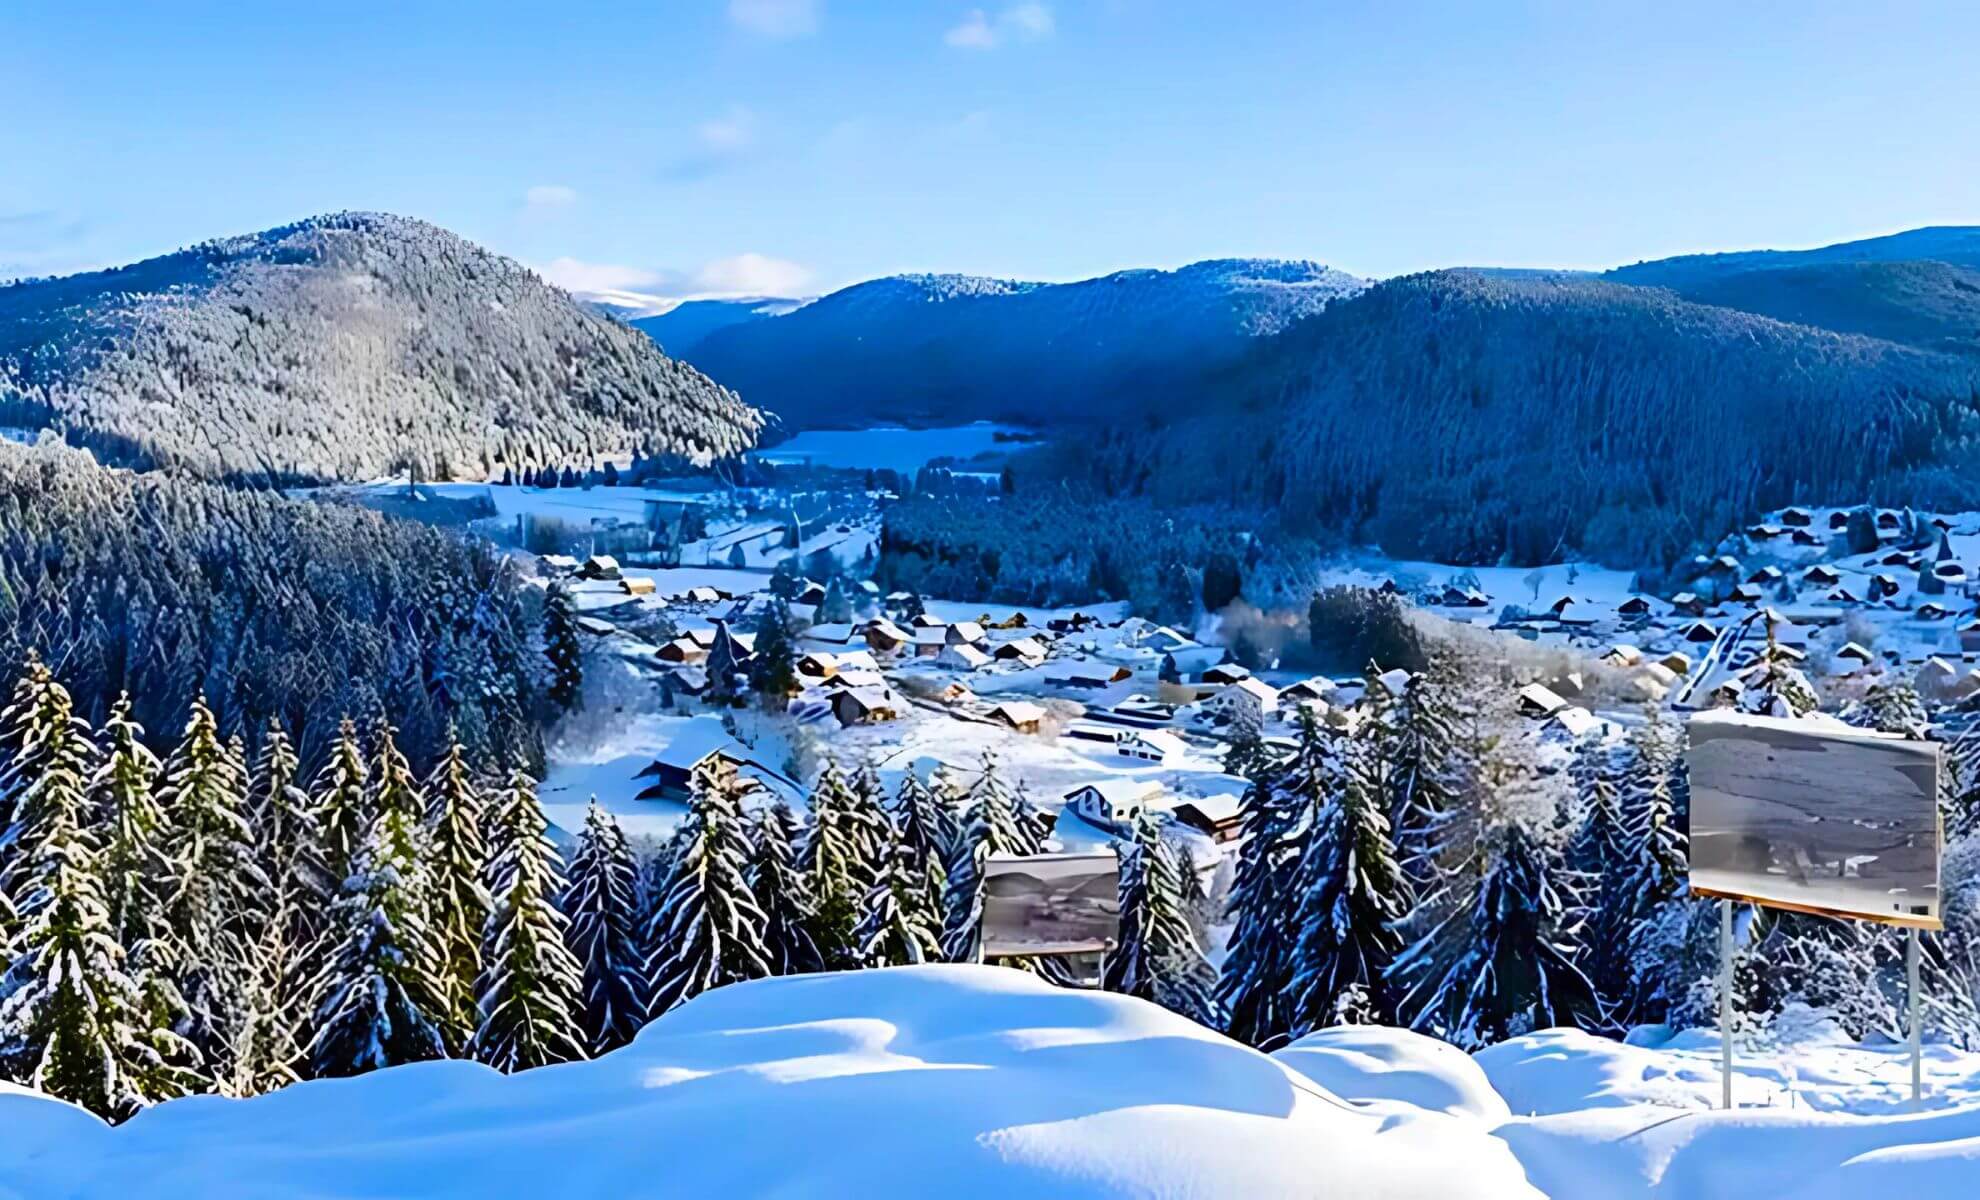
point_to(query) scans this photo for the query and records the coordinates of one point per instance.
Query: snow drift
(958, 1081)
(966, 1081)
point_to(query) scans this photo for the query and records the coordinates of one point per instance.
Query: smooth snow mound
(1368, 1063)
(958, 1081)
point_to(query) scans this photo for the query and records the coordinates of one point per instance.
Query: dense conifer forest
(343, 347)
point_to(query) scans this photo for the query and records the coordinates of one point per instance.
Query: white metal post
(1725, 1004)
(1911, 991)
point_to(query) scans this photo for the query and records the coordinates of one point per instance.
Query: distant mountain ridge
(681, 328)
(936, 348)
(341, 347)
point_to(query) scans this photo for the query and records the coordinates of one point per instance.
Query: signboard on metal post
(1815, 816)
(1050, 904)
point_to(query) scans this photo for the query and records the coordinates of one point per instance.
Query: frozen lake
(891, 446)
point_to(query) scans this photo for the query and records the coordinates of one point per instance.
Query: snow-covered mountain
(339, 347)
(934, 348)
(681, 326)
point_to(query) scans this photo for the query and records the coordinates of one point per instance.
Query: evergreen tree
(1253, 986)
(708, 930)
(1775, 687)
(603, 936)
(1891, 708)
(458, 901)
(773, 667)
(1421, 743)
(925, 831)
(1157, 956)
(839, 866)
(726, 662)
(1351, 889)
(991, 826)
(835, 608)
(1515, 969)
(562, 649)
(782, 893)
(71, 1019)
(268, 1044)
(126, 810)
(214, 890)
(531, 984)
(378, 1003)
(1600, 862)
(341, 797)
(899, 926)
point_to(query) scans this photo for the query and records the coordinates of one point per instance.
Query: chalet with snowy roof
(1157, 746)
(1882, 586)
(1463, 597)
(1225, 673)
(1728, 691)
(1938, 679)
(864, 705)
(1802, 537)
(696, 744)
(640, 585)
(1821, 575)
(1765, 576)
(1699, 632)
(1021, 715)
(599, 566)
(811, 592)
(1797, 518)
(1075, 623)
(929, 641)
(1932, 610)
(1842, 595)
(966, 633)
(1246, 700)
(1677, 662)
(1635, 606)
(1319, 687)
(1746, 593)
(1220, 815)
(957, 693)
(1763, 533)
(1689, 604)
(927, 621)
(1622, 654)
(1538, 700)
(1852, 652)
(962, 656)
(1888, 521)
(704, 595)
(1086, 674)
(1570, 724)
(885, 637)
(1839, 520)
(835, 633)
(555, 565)
(1112, 804)
(1947, 575)
(1898, 558)
(1026, 650)
(682, 650)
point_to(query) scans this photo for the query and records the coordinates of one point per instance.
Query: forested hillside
(342, 347)
(1466, 417)
(931, 349)
(268, 607)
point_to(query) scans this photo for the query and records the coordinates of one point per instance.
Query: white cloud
(1029, 22)
(753, 275)
(776, 18)
(582, 277)
(652, 290)
(548, 197)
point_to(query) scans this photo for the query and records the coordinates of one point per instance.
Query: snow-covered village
(774, 598)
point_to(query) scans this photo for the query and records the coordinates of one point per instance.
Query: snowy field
(889, 447)
(984, 1082)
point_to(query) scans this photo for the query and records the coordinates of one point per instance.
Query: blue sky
(720, 146)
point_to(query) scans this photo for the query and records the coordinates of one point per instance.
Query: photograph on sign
(1815, 815)
(1050, 904)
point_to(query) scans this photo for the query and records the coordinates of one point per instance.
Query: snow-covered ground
(889, 447)
(984, 1082)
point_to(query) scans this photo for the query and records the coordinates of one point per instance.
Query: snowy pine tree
(1421, 744)
(1350, 888)
(1599, 861)
(71, 1019)
(782, 893)
(341, 797)
(839, 865)
(1775, 686)
(269, 1042)
(531, 985)
(457, 908)
(991, 825)
(773, 666)
(562, 648)
(708, 931)
(126, 810)
(1157, 956)
(1253, 986)
(924, 830)
(603, 936)
(378, 1003)
(900, 925)
(1515, 967)
(215, 892)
